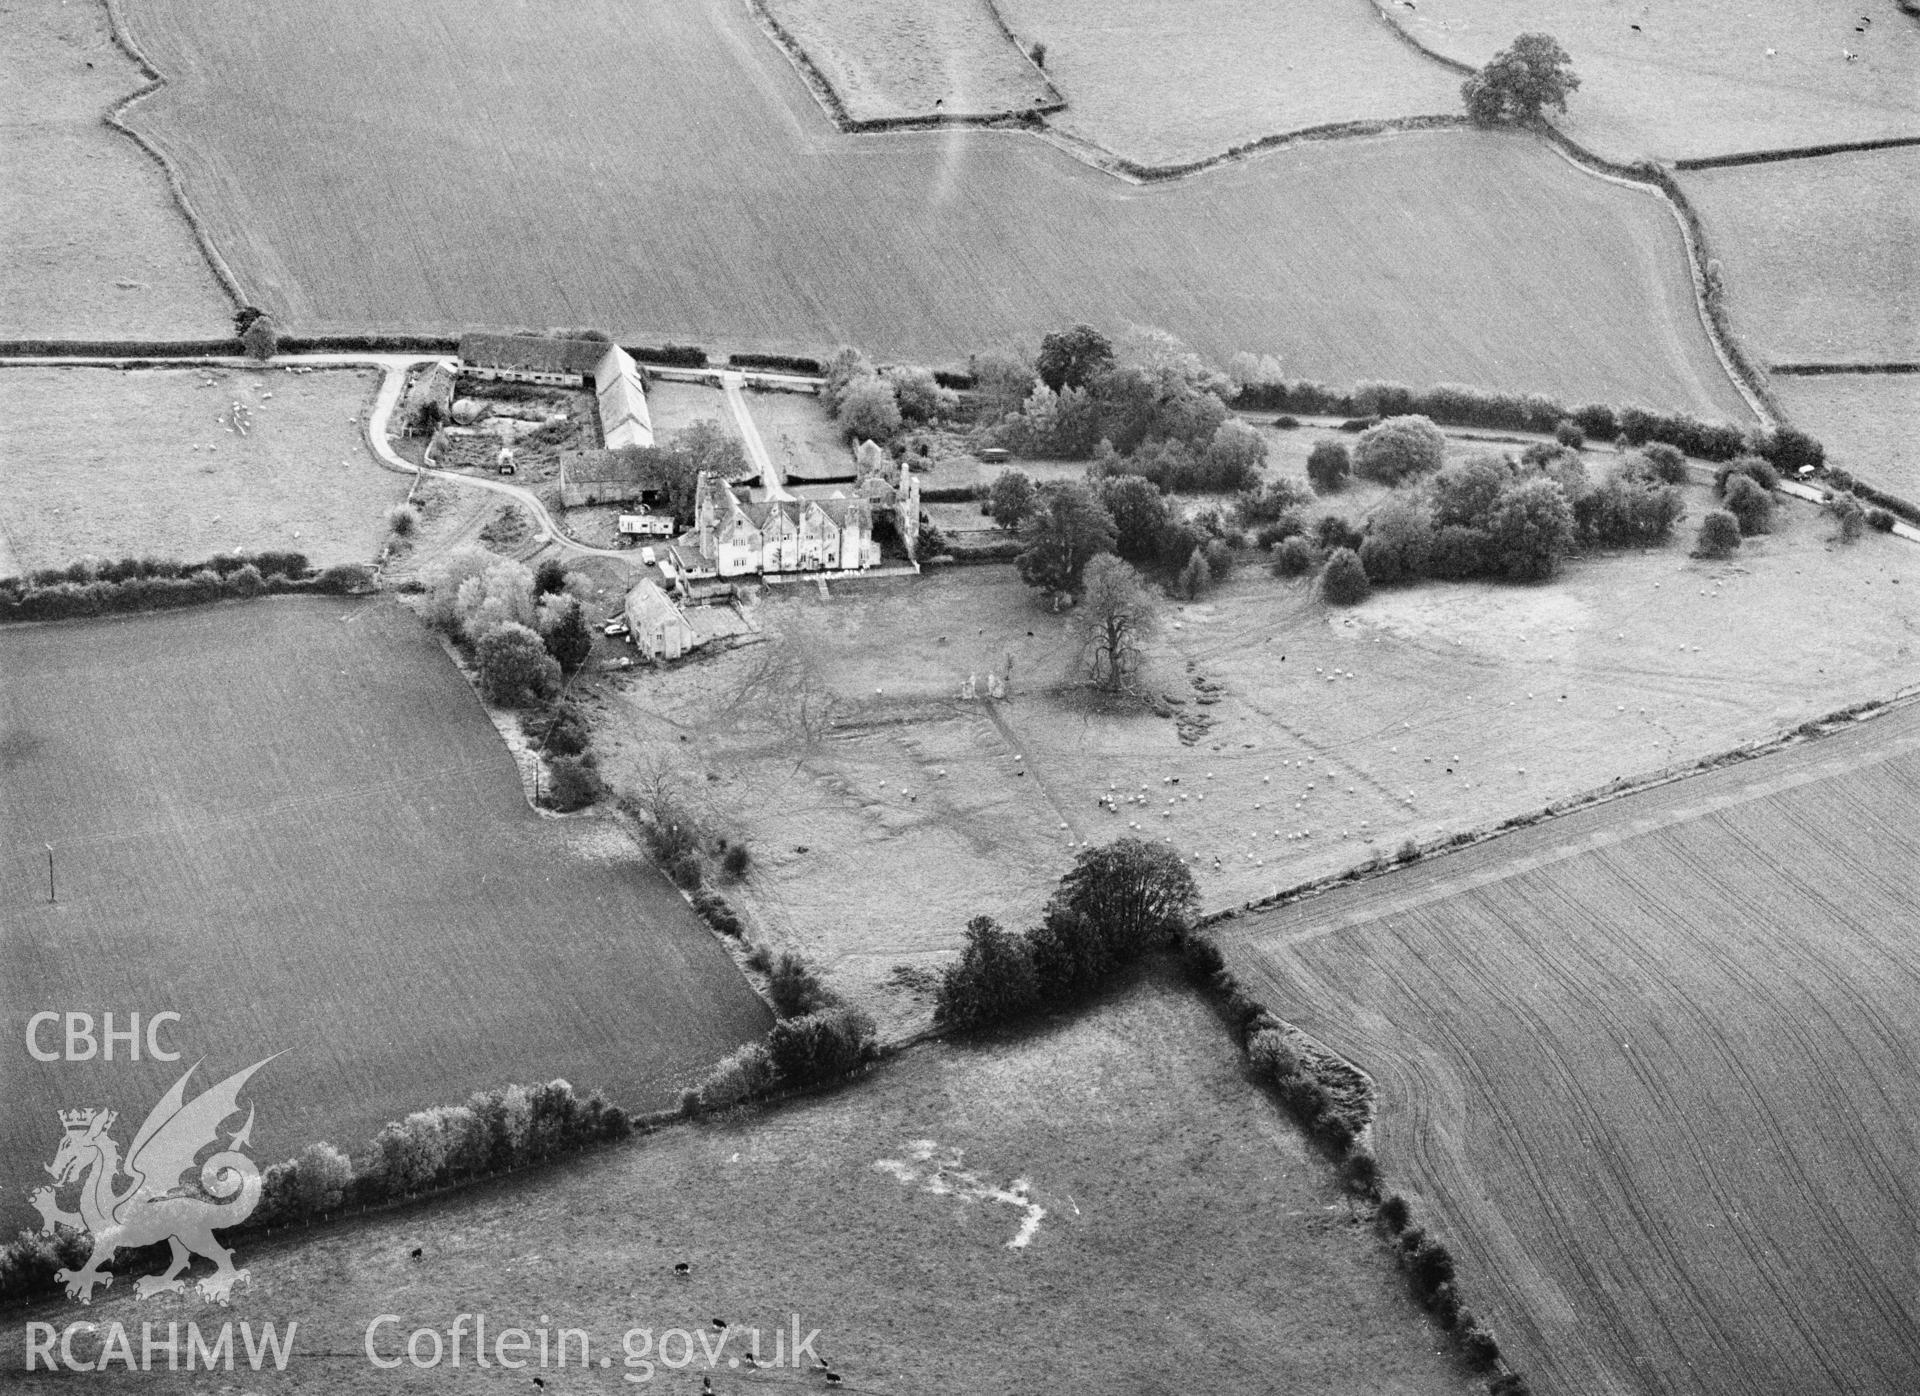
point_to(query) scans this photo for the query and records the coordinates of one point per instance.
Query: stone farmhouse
(659, 629)
(733, 536)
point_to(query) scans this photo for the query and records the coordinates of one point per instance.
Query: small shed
(660, 630)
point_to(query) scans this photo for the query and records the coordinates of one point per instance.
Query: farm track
(1626, 1210)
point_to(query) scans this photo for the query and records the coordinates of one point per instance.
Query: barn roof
(627, 465)
(624, 420)
(532, 353)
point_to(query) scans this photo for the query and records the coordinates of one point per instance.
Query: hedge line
(495, 1131)
(1334, 1103)
(148, 584)
(1337, 130)
(120, 348)
(369, 344)
(1803, 152)
(1456, 404)
(670, 355)
(788, 363)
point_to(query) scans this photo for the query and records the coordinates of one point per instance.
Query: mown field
(873, 845)
(1691, 80)
(888, 59)
(1869, 422)
(95, 244)
(722, 207)
(1818, 254)
(291, 822)
(1653, 1068)
(147, 463)
(1164, 84)
(1188, 1239)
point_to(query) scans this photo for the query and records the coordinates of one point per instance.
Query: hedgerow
(148, 584)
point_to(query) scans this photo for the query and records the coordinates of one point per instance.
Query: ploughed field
(1653, 1069)
(291, 822)
(664, 172)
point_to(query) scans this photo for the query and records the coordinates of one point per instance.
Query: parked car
(650, 557)
(615, 627)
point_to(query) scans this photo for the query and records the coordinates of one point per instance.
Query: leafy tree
(1627, 509)
(1062, 425)
(1293, 558)
(1196, 578)
(1531, 73)
(563, 625)
(1117, 615)
(1750, 505)
(1530, 529)
(1399, 448)
(501, 595)
(794, 988)
(1467, 492)
(919, 396)
(573, 782)
(1011, 499)
(1235, 455)
(992, 981)
(816, 1047)
(1719, 535)
(1070, 956)
(1138, 894)
(1757, 468)
(1333, 533)
(1328, 466)
(870, 410)
(1001, 382)
(1399, 537)
(1789, 449)
(1073, 358)
(1068, 530)
(847, 367)
(515, 668)
(1140, 516)
(550, 577)
(260, 339)
(1345, 582)
(1851, 517)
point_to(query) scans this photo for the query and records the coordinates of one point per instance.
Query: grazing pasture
(1321, 738)
(662, 171)
(1869, 422)
(1654, 1070)
(1818, 254)
(1164, 84)
(1183, 1228)
(1674, 81)
(115, 463)
(291, 822)
(95, 245)
(921, 58)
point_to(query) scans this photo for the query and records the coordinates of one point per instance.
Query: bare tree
(1116, 617)
(785, 682)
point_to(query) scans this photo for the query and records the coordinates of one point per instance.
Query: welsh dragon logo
(155, 1205)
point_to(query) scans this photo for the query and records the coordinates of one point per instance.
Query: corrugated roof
(628, 465)
(624, 419)
(532, 353)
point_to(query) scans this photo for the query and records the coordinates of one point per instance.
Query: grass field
(146, 463)
(1479, 701)
(1868, 421)
(1818, 254)
(723, 208)
(291, 822)
(1189, 1241)
(95, 244)
(888, 59)
(801, 438)
(1691, 80)
(1654, 1067)
(1163, 84)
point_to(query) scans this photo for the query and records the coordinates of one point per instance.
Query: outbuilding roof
(532, 353)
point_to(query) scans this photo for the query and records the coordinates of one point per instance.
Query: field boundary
(123, 40)
(1406, 37)
(1708, 304)
(1811, 729)
(1816, 370)
(1804, 152)
(835, 105)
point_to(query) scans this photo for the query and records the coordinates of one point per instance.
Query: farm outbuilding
(532, 358)
(617, 386)
(430, 393)
(659, 629)
(629, 475)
